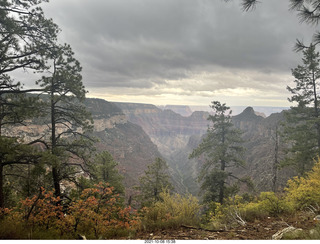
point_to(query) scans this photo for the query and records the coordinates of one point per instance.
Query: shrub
(97, 214)
(237, 211)
(304, 191)
(43, 210)
(171, 211)
(267, 204)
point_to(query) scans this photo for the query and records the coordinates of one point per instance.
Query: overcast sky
(182, 51)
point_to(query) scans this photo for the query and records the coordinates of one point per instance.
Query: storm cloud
(195, 49)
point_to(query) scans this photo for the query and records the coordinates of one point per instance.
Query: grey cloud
(143, 43)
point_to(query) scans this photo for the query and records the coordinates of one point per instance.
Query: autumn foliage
(96, 214)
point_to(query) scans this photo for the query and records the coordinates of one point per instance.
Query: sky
(183, 52)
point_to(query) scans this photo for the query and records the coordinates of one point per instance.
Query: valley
(176, 136)
(135, 134)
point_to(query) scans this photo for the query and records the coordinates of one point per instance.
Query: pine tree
(25, 35)
(222, 149)
(155, 180)
(302, 128)
(68, 120)
(106, 171)
(309, 10)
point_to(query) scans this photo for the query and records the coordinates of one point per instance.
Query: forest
(60, 186)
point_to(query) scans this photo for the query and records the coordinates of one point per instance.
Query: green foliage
(25, 36)
(106, 171)
(268, 204)
(68, 120)
(304, 191)
(28, 41)
(211, 184)
(302, 128)
(308, 11)
(15, 158)
(237, 210)
(172, 211)
(222, 149)
(312, 234)
(156, 179)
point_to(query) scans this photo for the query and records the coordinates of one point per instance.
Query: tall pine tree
(302, 128)
(25, 36)
(222, 149)
(69, 122)
(155, 180)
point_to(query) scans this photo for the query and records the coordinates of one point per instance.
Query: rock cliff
(176, 136)
(171, 133)
(168, 130)
(135, 134)
(130, 146)
(167, 133)
(179, 109)
(127, 142)
(259, 141)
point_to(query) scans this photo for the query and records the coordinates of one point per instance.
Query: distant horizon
(266, 110)
(190, 105)
(155, 102)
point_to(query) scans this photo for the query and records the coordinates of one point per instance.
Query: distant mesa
(183, 110)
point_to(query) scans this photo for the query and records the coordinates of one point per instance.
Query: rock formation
(135, 134)
(176, 136)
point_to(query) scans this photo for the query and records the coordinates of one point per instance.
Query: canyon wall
(176, 136)
(135, 134)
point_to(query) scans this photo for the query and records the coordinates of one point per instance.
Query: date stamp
(160, 241)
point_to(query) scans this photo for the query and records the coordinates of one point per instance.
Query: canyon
(136, 134)
(176, 136)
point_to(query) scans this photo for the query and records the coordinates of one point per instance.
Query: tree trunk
(276, 161)
(56, 182)
(1, 176)
(55, 172)
(1, 187)
(221, 185)
(315, 96)
(222, 168)
(221, 192)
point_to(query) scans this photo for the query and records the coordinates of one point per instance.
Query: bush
(301, 193)
(304, 191)
(97, 214)
(238, 211)
(313, 234)
(266, 205)
(171, 211)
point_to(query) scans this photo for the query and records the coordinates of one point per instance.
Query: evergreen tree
(68, 120)
(155, 180)
(309, 10)
(106, 171)
(302, 128)
(222, 149)
(25, 35)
